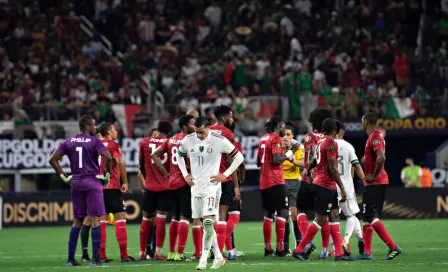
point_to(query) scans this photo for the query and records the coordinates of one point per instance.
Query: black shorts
(305, 197)
(153, 201)
(236, 206)
(274, 198)
(181, 199)
(373, 200)
(227, 193)
(324, 199)
(113, 201)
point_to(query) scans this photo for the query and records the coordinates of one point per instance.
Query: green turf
(424, 243)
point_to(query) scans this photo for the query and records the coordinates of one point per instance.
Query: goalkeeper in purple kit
(83, 151)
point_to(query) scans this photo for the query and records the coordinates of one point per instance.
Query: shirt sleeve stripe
(181, 153)
(354, 162)
(234, 152)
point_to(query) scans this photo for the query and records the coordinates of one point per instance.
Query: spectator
(223, 98)
(336, 103)
(351, 103)
(189, 102)
(213, 14)
(371, 101)
(426, 178)
(422, 98)
(402, 69)
(146, 29)
(411, 174)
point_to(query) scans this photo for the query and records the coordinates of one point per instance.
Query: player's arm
(277, 152)
(352, 172)
(108, 157)
(333, 168)
(228, 148)
(380, 160)
(158, 162)
(141, 162)
(298, 159)
(242, 172)
(180, 156)
(141, 180)
(356, 166)
(54, 162)
(123, 174)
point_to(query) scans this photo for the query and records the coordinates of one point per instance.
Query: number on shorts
(211, 202)
(174, 150)
(341, 165)
(153, 149)
(263, 146)
(79, 150)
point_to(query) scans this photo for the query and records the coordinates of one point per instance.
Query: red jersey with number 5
(327, 148)
(176, 179)
(311, 139)
(114, 149)
(374, 143)
(154, 180)
(223, 131)
(270, 174)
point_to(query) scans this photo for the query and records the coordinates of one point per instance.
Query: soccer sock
(357, 229)
(302, 222)
(379, 227)
(103, 225)
(267, 233)
(153, 237)
(160, 232)
(72, 242)
(349, 227)
(85, 239)
(232, 220)
(229, 243)
(221, 233)
(308, 237)
(325, 231)
(208, 237)
(215, 247)
(96, 241)
(174, 226)
(337, 239)
(144, 233)
(367, 233)
(184, 226)
(297, 234)
(280, 223)
(286, 237)
(197, 240)
(122, 237)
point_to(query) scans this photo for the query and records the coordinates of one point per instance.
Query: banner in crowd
(51, 210)
(124, 115)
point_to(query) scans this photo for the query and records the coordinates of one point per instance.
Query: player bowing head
(202, 127)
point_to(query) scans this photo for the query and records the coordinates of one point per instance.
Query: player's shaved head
(87, 124)
(329, 126)
(164, 127)
(193, 113)
(318, 116)
(104, 128)
(371, 118)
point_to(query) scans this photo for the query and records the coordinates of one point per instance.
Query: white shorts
(349, 207)
(206, 205)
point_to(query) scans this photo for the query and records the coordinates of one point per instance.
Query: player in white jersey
(205, 149)
(348, 163)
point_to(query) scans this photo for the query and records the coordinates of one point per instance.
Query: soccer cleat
(85, 259)
(309, 249)
(361, 246)
(268, 253)
(217, 263)
(238, 253)
(171, 256)
(129, 259)
(301, 256)
(72, 262)
(282, 253)
(180, 258)
(393, 253)
(159, 257)
(323, 254)
(346, 248)
(96, 262)
(364, 257)
(195, 257)
(105, 260)
(143, 257)
(202, 264)
(231, 257)
(344, 258)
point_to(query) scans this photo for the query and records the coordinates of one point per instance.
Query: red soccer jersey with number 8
(176, 179)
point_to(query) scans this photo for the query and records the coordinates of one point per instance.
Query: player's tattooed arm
(156, 158)
(334, 172)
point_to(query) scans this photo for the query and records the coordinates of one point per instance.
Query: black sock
(233, 241)
(286, 239)
(85, 239)
(153, 236)
(297, 233)
(151, 244)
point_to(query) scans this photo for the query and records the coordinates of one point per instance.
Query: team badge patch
(376, 142)
(332, 149)
(201, 148)
(119, 150)
(307, 139)
(209, 149)
(278, 146)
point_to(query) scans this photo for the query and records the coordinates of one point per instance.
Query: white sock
(349, 227)
(207, 238)
(358, 230)
(215, 247)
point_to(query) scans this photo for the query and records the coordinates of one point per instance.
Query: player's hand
(104, 178)
(290, 155)
(124, 187)
(370, 179)
(217, 178)
(189, 180)
(66, 178)
(166, 175)
(343, 196)
(237, 193)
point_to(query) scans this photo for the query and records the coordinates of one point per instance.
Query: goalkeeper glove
(66, 178)
(104, 178)
(290, 155)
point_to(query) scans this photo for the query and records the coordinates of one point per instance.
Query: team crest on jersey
(376, 142)
(332, 149)
(307, 139)
(119, 150)
(201, 148)
(209, 149)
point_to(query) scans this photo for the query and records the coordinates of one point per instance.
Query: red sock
(267, 233)
(325, 231)
(184, 225)
(379, 227)
(302, 222)
(232, 220)
(308, 237)
(221, 234)
(160, 230)
(197, 240)
(337, 238)
(122, 237)
(229, 243)
(103, 225)
(280, 223)
(174, 226)
(144, 233)
(367, 235)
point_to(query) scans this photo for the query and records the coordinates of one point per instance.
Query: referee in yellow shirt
(291, 174)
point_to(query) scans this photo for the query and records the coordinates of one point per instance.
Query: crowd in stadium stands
(338, 54)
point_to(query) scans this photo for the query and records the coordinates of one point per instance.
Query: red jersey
(238, 146)
(114, 149)
(176, 179)
(374, 142)
(327, 148)
(311, 139)
(154, 181)
(223, 131)
(270, 174)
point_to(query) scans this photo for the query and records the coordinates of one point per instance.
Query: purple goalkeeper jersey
(83, 151)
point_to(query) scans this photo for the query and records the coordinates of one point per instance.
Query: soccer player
(224, 121)
(193, 113)
(156, 194)
(82, 151)
(326, 176)
(348, 163)
(306, 196)
(375, 189)
(180, 192)
(205, 149)
(291, 174)
(270, 159)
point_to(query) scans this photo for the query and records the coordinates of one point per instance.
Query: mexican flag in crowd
(399, 108)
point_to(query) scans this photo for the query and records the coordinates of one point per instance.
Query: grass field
(424, 244)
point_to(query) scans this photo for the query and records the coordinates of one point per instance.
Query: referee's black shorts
(113, 201)
(373, 200)
(274, 198)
